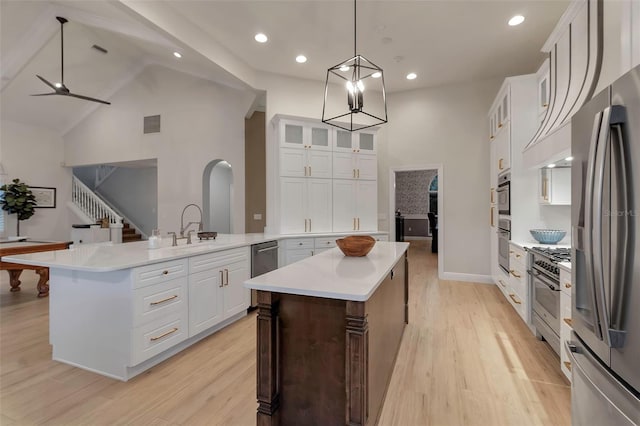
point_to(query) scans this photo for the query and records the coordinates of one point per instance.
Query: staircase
(129, 234)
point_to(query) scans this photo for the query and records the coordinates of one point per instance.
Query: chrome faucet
(184, 228)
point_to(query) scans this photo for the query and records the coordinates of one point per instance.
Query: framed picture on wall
(45, 197)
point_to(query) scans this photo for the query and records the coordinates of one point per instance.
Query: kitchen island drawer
(518, 279)
(325, 243)
(151, 339)
(298, 243)
(152, 303)
(158, 272)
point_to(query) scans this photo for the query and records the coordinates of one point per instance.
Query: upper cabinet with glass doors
(362, 142)
(305, 135)
(499, 115)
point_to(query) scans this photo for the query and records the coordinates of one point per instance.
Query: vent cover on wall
(152, 124)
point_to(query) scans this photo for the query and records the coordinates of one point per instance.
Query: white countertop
(105, 257)
(333, 275)
(534, 243)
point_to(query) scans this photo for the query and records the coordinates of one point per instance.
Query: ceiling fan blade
(86, 98)
(44, 94)
(44, 80)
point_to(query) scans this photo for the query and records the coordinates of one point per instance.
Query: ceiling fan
(60, 88)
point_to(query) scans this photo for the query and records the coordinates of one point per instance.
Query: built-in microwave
(504, 196)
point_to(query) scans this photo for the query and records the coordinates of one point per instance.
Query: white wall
(443, 125)
(34, 155)
(447, 125)
(200, 121)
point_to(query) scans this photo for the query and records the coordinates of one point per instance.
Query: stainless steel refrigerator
(605, 211)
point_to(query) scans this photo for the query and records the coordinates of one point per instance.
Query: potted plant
(17, 198)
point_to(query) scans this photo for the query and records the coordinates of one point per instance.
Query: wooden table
(8, 248)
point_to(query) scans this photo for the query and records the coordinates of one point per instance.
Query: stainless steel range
(544, 276)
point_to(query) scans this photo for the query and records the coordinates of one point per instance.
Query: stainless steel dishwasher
(264, 258)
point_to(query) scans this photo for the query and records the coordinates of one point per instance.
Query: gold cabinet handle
(165, 272)
(328, 242)
(511, 252)
(491, 214)
(163, 300)
(492, 200)
(306, 173)
(545, 105)
(358, 172)
(221, 279)
(502, 284)
(492, 138)
(309, 170)
(518, 256)
(567, 285)
(513, 297)
(568, 365)
(499, 125)
(226, 273)
(500, 163)
(354, 223)
(514, 274)
(173, 330)
(568, 322)
(545, 184)
(354, 173)
(309, 225)
(358, 222)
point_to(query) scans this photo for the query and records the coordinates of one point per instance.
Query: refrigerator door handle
(588, 224)
(621, 278)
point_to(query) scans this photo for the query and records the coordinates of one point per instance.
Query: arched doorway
(217, 196)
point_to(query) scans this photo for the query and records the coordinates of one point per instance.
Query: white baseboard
(474, 278)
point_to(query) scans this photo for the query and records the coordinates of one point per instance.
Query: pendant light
(346, 105)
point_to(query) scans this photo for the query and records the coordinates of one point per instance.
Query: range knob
(556, 270)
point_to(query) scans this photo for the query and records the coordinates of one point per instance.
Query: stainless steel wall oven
(504, 193)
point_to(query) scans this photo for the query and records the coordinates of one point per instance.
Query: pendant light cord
(355, 29)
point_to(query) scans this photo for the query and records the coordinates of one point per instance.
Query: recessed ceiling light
(411, 76)
(301, 59)
(516, 20)
(570, 158)
(551, 166)
(177, 55)
(376, 74)
(261, 38)
(344, 68)
(58, 85)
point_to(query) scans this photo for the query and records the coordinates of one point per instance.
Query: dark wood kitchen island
(329, 329)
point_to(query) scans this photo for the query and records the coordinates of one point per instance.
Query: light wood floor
(466, 359)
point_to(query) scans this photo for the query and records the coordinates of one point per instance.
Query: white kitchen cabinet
(542, 77)
(555, 186)
(305, 205)
(216, 290)
(305, 163)
(303, 135)
(503, 149)
(518, 288)
(566, 325)
(363, 142)
(349, 165)
(354, 205)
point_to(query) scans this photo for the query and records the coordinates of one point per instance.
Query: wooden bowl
(356, 245)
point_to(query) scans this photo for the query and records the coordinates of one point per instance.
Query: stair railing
(90, 204)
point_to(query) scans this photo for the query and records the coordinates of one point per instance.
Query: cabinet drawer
(518, 303)
(293, 256)
(324, 243)
(158, 272)
(208, 261)
(517, 254)
(565, 308)
(565, 361)
(518, 280)
(565, 282)
(151, 339)
(299, 243)
(152, 303)
(502, 282)
(381, 237)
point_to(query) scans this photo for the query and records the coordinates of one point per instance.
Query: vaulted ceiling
(443, 42)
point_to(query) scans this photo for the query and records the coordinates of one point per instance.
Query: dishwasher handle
(267, 249)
